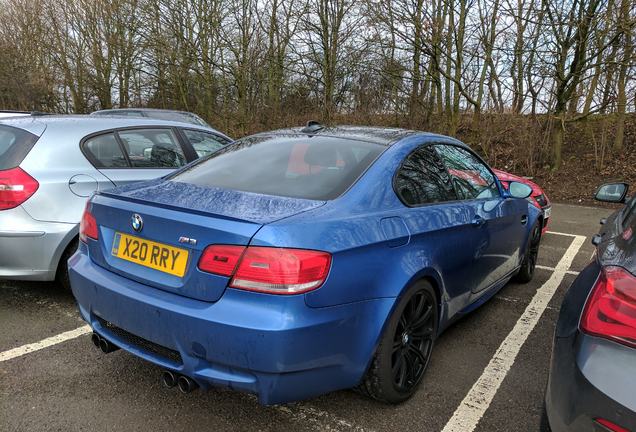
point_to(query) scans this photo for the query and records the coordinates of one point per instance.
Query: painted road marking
(44, 343)
(570, 272)
(472, 408)
(562, 234)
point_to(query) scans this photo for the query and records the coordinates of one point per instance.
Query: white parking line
(472, 408)
(44, 343)
(570, 272)
(562, 234)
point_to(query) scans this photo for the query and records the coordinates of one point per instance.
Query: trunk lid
(183, 219)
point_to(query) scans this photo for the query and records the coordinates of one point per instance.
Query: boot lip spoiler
(313, 204)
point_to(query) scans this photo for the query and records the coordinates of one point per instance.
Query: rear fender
(61, 247)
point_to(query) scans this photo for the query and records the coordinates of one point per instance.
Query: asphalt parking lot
(487, 373)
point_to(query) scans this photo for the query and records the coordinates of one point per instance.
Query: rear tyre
(405, 347)
(62, 267)
(544, 426)
(526, 272)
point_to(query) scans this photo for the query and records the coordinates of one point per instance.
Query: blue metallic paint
(293, 347)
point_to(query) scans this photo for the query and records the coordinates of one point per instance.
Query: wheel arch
(69, 238)
(433, 277)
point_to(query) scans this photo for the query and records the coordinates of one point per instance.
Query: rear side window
(471, 177)
(319, 168)
(152, 148)
(204, 143)
(105, 151)
(423, 179)
(15, 144)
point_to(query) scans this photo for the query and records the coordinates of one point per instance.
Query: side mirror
(612, 192)
(519, 190)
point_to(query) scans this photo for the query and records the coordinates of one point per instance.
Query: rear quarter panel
(53, 161)
(369, 260)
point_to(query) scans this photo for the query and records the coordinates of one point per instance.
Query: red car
(538, 197)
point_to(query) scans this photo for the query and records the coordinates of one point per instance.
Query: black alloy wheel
(526, 272)
(413, 342)
(405, 348)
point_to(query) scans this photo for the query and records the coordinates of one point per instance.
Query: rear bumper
(590, 378)
(547, 212)
(273, 346)
(30, 249)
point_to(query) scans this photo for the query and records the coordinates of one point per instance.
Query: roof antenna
(312, 127)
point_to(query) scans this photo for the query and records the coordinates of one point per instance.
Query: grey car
(4, 114)
(50, 165)
(160, 114)
(592, 384)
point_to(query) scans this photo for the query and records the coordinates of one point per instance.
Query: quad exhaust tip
(103, 344)
(169, 379)
(95, 339)
(186, 384)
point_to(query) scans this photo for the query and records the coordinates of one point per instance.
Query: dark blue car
(302, 261)
(592, 385)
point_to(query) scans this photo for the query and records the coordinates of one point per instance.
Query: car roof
(83, 125)
(385, 136)
(115, 110)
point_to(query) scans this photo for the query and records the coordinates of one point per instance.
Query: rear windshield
(318, 168)
(15, 144)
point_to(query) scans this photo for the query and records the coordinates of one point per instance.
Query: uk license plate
(158, 256)
(547, 212)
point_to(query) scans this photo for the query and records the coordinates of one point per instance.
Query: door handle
(524, 219)
(478, 221)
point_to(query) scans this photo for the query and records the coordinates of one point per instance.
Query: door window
(471, 177)
(152, 148)
(423, 179)
(204, 143)
(105, 152)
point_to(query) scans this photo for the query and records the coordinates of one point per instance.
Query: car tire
(405, 347)
(526, 272)
(62, 267)
(544, 426)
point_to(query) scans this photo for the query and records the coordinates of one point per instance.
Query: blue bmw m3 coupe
(302, 261)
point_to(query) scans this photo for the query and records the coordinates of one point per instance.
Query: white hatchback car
(50, 165)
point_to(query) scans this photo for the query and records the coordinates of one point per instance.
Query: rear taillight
(267, 269)
(88, 226)
(610, 425)
(610, 311)
(221, 259)
(16, 186)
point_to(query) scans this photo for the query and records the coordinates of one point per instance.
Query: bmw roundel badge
(137, 222)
